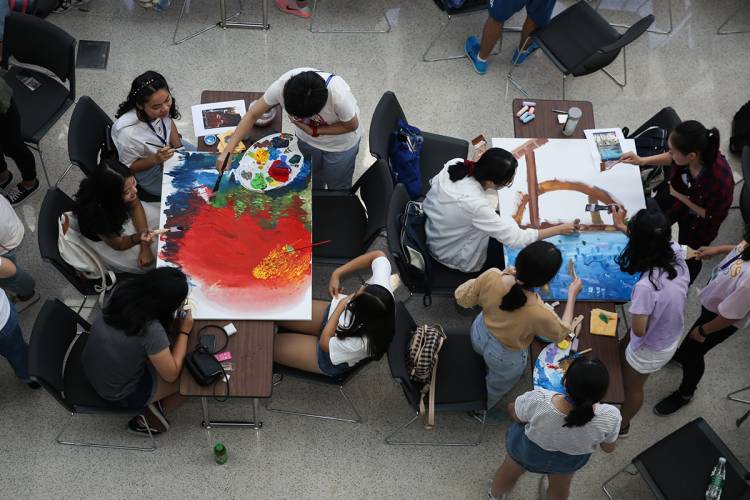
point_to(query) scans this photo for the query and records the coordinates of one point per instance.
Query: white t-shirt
(4, 308)
(340, 107)
(728, 290)
(352, 350)
(11, 227)
(544, 424)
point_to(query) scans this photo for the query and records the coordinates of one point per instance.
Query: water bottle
(220, 454)
(716, 483)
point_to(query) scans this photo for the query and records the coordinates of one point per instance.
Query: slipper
(283, 6)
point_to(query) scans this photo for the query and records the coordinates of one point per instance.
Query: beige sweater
(514, 329)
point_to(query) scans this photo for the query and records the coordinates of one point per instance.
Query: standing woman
(657, 303)
(513, 314)
(725, 308)
(147, 116)
(464, 231)
(701, 185)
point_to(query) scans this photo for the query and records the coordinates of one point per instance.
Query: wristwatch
(702, 332)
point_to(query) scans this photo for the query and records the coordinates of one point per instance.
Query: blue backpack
(405, 149)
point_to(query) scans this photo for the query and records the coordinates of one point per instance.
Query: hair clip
(148, 82)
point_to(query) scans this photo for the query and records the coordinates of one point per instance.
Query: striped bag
(424, 347)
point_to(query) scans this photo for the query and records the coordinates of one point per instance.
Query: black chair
(679, 465)
(460, 380)
(34, 41)
(745, 193)
(351, 223)
(436, 149)
(442, 280)
(339, 382)
(55, 349)
(667, 119)
(579, 41)
(87, 136)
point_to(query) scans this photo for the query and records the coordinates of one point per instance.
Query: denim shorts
(535, 459)
(540, 11)
(324, 359)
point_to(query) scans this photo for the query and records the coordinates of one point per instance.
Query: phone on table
(207, 341)
(28, 80)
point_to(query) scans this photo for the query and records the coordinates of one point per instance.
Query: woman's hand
(676, 194)
(163, 155)
(570, 227)
(705, 253)
(574, 288)
(145, 257)
(334, 285)
(695, 335)
(302, 125)
(632, 158)
(220, 159)
(618, 218)
(185, 324)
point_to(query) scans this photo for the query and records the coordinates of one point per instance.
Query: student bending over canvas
(464, 231)
(115, 222)
(346, 330)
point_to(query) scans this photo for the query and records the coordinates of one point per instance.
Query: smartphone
(207, 341)
(28, 81)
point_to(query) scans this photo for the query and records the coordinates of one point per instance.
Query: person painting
(556, 434)
(657, 303)
(513, 314)
(325, 115)
(145, 134)
(464, 231)
(701, 185)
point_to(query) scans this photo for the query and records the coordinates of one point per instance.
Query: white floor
(700, 74)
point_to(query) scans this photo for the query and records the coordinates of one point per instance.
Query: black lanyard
(163, 127)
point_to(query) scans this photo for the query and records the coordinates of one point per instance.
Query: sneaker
(63, 7)
(23, 304)
(8, 180)
(624, 432)
(20, 193)
(543, 487)
(157, 411)
(33, 385)
(520, 56)
(138, 425)
(471, 48)
(671, 404)
(489, 492)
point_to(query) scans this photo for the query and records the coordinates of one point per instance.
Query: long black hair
(153, 296)
(586, 382)
(372, 314)
(649, 249)
(536, 265)
(692, 137)
(99, 206)
(141, 90)
(305, 94)
(746, 250)
(496, 165)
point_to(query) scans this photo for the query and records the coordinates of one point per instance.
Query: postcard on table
(606, 144)
(217, 117)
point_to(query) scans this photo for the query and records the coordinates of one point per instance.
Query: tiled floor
(700, 74)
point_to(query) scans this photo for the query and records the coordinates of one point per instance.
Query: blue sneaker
(519, 56)
(471, 48)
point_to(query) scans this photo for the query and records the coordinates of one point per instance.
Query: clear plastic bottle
(716, 483)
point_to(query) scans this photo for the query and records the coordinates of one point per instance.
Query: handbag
(202, 364)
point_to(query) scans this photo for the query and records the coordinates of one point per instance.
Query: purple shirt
(665, 306)
(728, 291)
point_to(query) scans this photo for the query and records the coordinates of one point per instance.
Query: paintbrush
(162, 146)
(572, 268)
(593, 207)
(290, 248)
(168, 230)
(221, 174)
(576, 355)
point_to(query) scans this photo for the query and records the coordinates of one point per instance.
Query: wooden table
(252, 367)
(605, 348)
(255, 132)
(545, 124)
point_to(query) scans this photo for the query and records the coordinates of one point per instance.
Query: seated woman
(346, 330)
(657, 303)
(555, 434)
(701, 185)
(128, 358)
(513, 314)
(464, 231)
(146, 119)
(115, 222)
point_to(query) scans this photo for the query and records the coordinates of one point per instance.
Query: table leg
(226, 24)
(208, 423)
(206, 419)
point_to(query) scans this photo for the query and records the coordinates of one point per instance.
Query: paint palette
(270, 163)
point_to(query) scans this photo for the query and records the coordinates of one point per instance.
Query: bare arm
(364, 261)
(174, 138)
(243, 128)
(511, 408)
(168, 363)
(639, 324)
(330, 329)
(124, 242)
(334, 129)
(574, 289)
(567, 228)
(146, 258)
(607, 447)
(634, 159)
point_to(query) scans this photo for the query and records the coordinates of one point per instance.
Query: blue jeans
(504, 367)
(21, 283)
(13, 347)
(329, 168)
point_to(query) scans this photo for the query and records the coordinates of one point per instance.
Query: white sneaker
(395, 282)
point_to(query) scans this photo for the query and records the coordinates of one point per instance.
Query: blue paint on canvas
(594, 255)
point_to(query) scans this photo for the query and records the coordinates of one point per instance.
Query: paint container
(522, 111)
(209, 140)
(574, 114)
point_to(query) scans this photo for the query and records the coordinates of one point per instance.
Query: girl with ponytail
(555, 434)
(147, 117)
(464, 231)
(513, 314)
(700, 188)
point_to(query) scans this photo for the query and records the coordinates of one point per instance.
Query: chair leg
(731, 16)
(63, 175)
(389, 439)
(83, 303)
(185, 5)
(625, 70)
(314, 17)
(732, 396)
(38, 150)
(59, 440)
(356, 420)
(604, 485)
(650, 30)
(510, 81)
(461, 56)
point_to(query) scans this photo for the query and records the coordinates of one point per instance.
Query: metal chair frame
(627, 469)
(224, 20)
(59, 440)
(313, 29)
(389, 439)
(719, 29)
(650, 30)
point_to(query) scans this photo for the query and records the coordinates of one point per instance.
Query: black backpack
(740, 129)
(413, 242)
(651, 142)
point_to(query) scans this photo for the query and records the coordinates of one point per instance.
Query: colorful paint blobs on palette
(280, 142)
(266, 166)
(279, 171)
(259, 182)
(261, 156)
(281, 261)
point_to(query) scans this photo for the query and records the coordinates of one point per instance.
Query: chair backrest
(396, 205)
(667, 118)
(89, 126)
(632, 34)
(55, 328)
(375, 188)
(384, 119)
(397, 353)
(608, 53)
(55, 204)
(32, 40)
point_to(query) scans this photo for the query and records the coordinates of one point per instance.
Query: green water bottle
(220, 454)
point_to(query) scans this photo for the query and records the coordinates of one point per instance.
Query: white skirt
(646, 360)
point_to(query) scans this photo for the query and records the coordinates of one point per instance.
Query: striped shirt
(544, 424)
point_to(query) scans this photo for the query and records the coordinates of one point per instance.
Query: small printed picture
(217, 117)
(220, 117)
(608, 145)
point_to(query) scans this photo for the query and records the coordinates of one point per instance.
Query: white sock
(480, 59)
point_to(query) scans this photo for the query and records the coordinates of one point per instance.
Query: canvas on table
(245, 248)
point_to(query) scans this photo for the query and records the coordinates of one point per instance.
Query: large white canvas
(570, 160)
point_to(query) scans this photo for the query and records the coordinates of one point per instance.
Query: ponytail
(496, 165)
(536, 265)
(692, 137)
(514, 299)
(708, 156)
(586, 382)
(580, 415)
(460, 170)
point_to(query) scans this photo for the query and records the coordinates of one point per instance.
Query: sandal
(284, 6)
